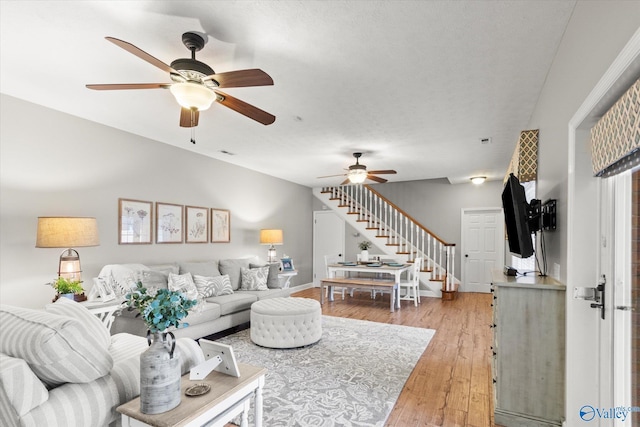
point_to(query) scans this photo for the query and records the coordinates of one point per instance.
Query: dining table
(380, 268)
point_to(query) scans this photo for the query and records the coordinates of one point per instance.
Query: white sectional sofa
(60, 367)
(214, 313)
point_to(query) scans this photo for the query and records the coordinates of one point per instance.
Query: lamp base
(272, 255)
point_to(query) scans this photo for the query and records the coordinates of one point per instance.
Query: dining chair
(334, 259)
(412, 284)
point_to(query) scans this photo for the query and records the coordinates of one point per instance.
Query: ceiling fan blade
(242, 78)
(125, 86)
(376, 178)
(141, 54)
(189, 118)
(383, 172)
(345, 182)
(331, 176)
(248, 110)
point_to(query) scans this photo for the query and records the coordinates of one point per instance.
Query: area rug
(351, 377)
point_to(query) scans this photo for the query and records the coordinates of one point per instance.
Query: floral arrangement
(160, 308)
(364, 245)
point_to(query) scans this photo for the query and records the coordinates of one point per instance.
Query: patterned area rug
(351, 377)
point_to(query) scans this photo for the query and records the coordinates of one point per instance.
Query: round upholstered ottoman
(286, 322)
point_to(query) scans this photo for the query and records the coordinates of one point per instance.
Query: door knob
(466, 255)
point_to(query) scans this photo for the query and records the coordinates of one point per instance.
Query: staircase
(393, 230)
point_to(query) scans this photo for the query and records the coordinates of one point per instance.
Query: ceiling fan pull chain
(193, 126)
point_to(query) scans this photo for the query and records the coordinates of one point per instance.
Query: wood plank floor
(451, 384)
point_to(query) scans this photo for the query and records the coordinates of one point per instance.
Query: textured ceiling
(415, 85)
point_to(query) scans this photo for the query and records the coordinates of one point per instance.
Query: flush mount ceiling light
(477, 180)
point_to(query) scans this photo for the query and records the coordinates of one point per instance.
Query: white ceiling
(415, 85)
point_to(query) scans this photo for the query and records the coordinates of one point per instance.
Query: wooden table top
(222, 386)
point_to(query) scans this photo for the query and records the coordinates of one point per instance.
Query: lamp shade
(67, 232)
(193, 95)
(271, 237)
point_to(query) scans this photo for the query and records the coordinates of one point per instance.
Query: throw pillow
(232, 268)
(254, 279)
(213, 286)
(273, 282)
(90, 322)
(155, 279)
(57, 348)
(183, 283)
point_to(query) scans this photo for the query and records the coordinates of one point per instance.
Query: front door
(328, 239)
(482, 247)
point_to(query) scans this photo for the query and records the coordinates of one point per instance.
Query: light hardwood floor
(451, 384)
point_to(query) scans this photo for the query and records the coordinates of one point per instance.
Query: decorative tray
(197, 390)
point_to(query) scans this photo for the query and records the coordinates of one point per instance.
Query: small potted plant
(66, 288)
(364, 247)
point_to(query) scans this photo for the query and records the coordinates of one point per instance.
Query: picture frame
(286, 264)
(197, 224)
(105, 291)
(169, 223)
(135, 222)
(220, 225)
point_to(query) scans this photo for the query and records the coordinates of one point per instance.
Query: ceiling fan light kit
(357, 176)
(358, 173)
(193, 95)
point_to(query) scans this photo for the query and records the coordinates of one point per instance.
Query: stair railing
(400, 229)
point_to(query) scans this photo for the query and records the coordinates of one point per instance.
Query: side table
(105, 311)
(286, 275)
(229, 397)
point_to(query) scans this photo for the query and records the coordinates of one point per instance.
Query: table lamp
(67, 232)
(271, 237)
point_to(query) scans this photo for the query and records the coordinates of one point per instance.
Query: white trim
(574, 365)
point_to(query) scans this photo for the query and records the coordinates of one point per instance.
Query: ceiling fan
(195, 84)
(357, 173)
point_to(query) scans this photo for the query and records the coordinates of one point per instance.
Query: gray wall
(54, 164)
(596, 34)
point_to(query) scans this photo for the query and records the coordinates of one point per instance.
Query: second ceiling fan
(195, 84)
(358, 173)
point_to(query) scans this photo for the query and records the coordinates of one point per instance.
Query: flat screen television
(517, 217)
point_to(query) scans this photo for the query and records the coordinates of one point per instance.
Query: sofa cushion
(183, 283)
(238, 301)
(92, 325)
(155, 279)
(271, 293)
(254, 279)
(232, 268)
(171, 267)
(58, 349)
(20, 386)
(204, 268)
(202, 313)
(273, 281)
(213, 286)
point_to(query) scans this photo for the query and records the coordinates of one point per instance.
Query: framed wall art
(135, 222)
(220, 226)
(197, 228)
(169, 223)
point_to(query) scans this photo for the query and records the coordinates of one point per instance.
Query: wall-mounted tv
(517, 218)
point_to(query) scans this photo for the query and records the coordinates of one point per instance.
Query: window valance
(524, 162)
(615, 139)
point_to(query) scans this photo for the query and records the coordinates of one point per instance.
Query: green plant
(364, 245)
(65, 286)
(160, 308)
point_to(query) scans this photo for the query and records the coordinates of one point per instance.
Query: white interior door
(482, 247)
(328, 239)
(615, 330)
